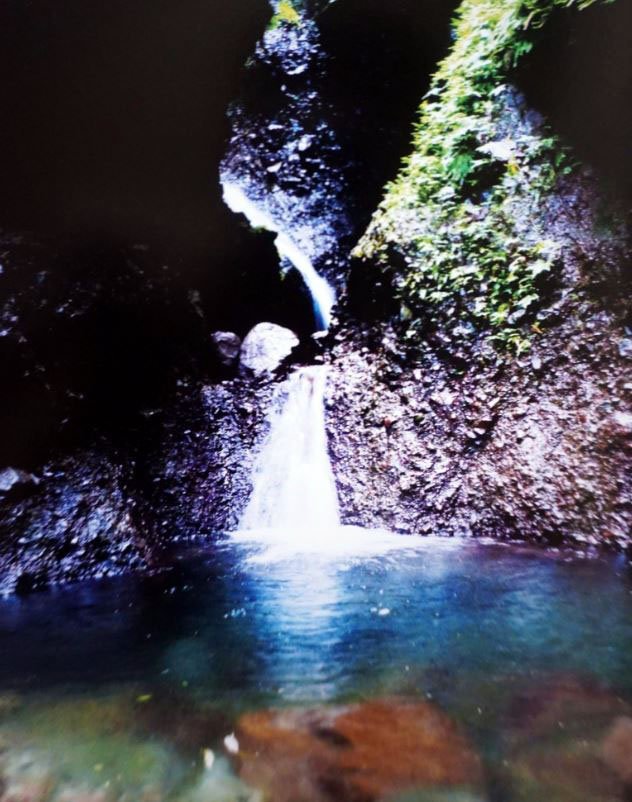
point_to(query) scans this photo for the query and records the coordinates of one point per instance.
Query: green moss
(287, 13)
(453, 211)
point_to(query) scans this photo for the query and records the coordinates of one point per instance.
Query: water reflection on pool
(517, 660)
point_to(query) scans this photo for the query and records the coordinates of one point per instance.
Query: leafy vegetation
(476, 170)
(286, 12)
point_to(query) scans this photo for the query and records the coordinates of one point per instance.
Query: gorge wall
(479, 380)
(495, 400)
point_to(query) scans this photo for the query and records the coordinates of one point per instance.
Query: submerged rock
(266, 346)
(568, 739)
(355, 752)
(616, 750)
(25, 776)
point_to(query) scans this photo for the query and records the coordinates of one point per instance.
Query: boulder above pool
(266, 346)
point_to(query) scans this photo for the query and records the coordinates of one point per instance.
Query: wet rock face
(462, 439)
(78, 521)
(283, 154)
(506, 450)
(196, 479)
(354, 753)
(103, 512)
(93, 337)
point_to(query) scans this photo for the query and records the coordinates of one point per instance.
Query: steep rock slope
(495, 398)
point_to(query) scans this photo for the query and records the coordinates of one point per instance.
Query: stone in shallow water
(558, 736)
(25, 776)
(616, 750)
(81, 794)
(266, 346)
(364, 752)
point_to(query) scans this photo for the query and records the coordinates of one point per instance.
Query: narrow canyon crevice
(122, 426)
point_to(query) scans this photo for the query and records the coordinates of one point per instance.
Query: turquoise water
(528, 652)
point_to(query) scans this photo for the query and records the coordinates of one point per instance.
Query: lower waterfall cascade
(293, 483)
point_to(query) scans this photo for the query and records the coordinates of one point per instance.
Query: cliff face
(118, 259)
(536, 446)
(479, 379)
(495, 398)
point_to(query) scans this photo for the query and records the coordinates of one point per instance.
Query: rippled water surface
(121, 685)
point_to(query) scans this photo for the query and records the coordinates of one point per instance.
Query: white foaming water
(341, 545)
(293, 485)
(293, 509)
(323, 295)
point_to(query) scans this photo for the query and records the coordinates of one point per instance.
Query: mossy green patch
(454, 210)
(286, 12)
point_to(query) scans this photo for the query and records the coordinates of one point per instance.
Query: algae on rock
(453, 212)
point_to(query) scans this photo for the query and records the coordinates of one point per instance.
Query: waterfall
(293, 484)
(323, 295)
(293, 509)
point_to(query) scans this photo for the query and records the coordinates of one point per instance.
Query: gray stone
(266, 346)
(623, 422)
(226, 346)
(501, 150)
(443, 399)
(13, 477)
(625, 348)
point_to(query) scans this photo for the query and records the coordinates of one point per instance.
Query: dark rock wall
(196, 480)
(536, 446)
(126, 260)
(77, 520)
(125, 434)
(441, 435)
(585, 56)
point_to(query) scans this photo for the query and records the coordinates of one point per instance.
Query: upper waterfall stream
(323, 295)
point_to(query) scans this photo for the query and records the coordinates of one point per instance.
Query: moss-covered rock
(455, 213)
